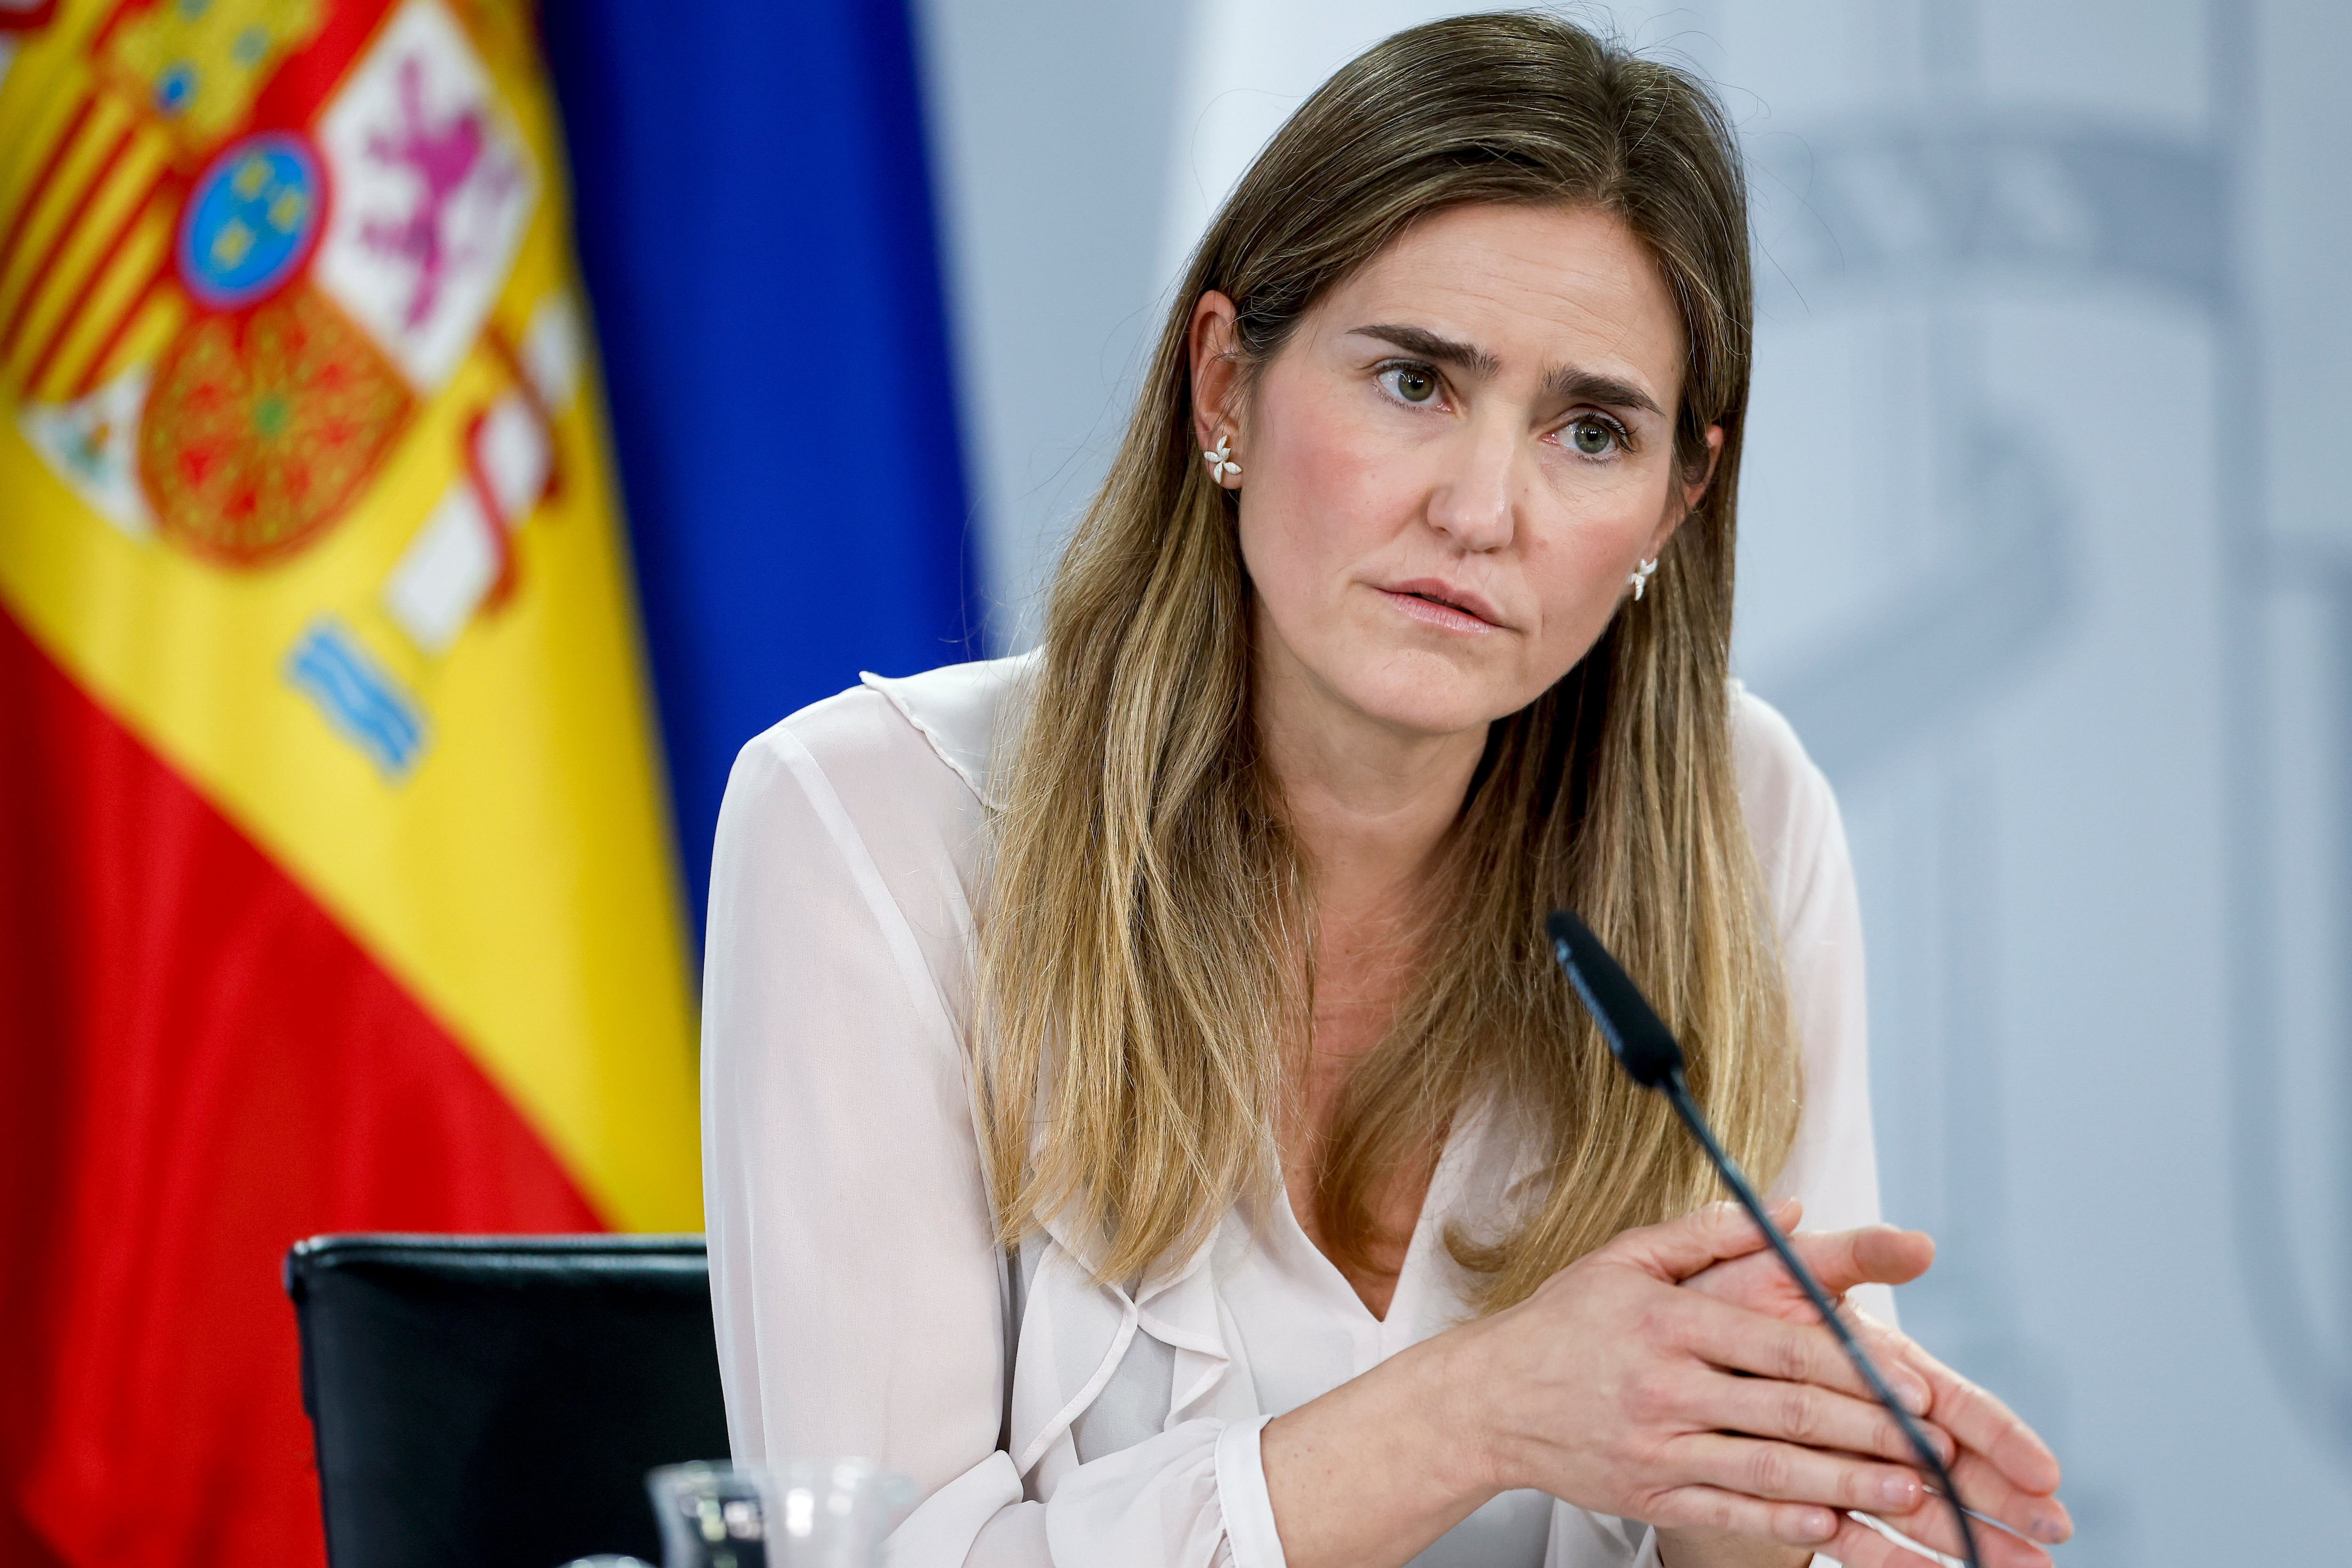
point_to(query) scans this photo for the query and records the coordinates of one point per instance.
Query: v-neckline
(1332, 1276)
(1467, 1129)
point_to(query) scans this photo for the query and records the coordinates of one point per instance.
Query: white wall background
(2045, 551)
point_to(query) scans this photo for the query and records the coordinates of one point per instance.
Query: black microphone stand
(1651, 1057)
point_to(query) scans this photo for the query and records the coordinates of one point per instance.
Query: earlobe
(1693, 493)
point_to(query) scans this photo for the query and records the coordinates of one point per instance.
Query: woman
(1139, 1101)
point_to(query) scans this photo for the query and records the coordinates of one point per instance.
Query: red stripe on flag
(108, 251)
(302, 82)
(197, 1067)
(40, 185)
(126, 319)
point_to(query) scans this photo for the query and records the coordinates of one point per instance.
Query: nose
(1472, 503)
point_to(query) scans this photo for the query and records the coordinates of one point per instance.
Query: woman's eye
(1410, 382)
(1593, 437)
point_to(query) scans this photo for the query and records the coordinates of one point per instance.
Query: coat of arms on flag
(222, 298)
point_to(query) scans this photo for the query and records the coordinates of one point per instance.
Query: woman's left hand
(2004, 1471)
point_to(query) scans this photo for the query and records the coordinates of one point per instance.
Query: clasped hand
(1678, 1377)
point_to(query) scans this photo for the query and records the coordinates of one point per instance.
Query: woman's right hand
(1613, 1389)
(2006, 1473)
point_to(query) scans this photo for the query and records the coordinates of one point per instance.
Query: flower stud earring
(1221, 465)
(1640, 577)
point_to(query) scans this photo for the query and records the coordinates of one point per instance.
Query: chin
(1426, 696)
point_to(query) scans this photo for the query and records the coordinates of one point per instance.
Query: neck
(1369, 805)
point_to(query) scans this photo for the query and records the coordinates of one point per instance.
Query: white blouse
(862, 1304)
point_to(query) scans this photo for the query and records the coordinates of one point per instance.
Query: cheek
(1319, 498)
(1578, 556)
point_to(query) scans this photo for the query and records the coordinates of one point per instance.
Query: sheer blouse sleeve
(854, 1279)
(858, 1293)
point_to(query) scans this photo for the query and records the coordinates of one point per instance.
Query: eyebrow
(1567, 384)
(1440, 351)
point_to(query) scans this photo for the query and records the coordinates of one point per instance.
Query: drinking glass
(711, 1515)
(808, 1514)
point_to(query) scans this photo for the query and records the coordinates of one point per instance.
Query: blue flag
(755, 227)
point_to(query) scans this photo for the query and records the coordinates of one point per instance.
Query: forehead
(1537, 288)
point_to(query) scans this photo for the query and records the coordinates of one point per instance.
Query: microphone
(1651, 1057)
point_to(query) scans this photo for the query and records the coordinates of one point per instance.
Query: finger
(1978, 1419)
(1794, 1352)
(1785, 1472)
(1871, 1255)
(1804, 1412)
(1712, 1508)
(1680, 1248)
(2037, 1516)
(1932, 1525)
(1986, 1489)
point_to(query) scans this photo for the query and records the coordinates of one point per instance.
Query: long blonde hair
(1143, 991)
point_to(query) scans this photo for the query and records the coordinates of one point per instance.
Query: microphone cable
(1651, 1057)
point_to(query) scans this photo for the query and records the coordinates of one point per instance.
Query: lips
(1440, 603)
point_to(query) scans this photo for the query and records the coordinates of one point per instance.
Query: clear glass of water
(808, 1514)
(712, 1515)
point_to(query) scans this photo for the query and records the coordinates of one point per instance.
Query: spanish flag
(335, 884)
